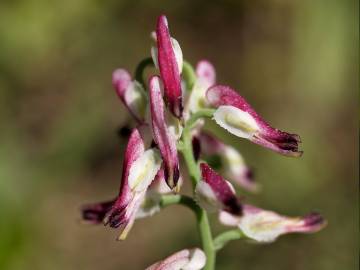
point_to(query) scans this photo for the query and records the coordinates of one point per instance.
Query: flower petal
(216, 191)
(266, 226)
(165, 140)
(187, 259)
(139, 169)
(168, 65)
(205, 72)
(239, 118)
(131, 93)
(232, 164)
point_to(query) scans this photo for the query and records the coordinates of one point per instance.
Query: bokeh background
(295, 61)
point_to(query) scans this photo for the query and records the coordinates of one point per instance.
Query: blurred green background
(295, 61)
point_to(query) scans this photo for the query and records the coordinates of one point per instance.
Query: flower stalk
(225, 237)
(194, 173)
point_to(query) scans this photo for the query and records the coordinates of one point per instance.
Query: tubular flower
(206, 77)
(232, 164)
(95, 213)
(131, 93)
(236, 116)
(165, 140)
(266, 226)
(186, 259)
(139, 169)
(215, 193)
(168, 58)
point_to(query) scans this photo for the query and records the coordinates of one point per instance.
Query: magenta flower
(215, 193)
(236, 116)
(266, 226)
(232, 166)
(131, 93)
(165, 140)
(96, 212)
(186, 259)
(139, 169)
(170, 68)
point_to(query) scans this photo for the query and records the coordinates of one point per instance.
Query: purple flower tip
(114, 218)
(314, 220)
(95, 213)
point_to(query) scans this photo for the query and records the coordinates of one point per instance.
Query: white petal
(236, 121)
(136, 99)
(263, 226)
(228, 219)
(144, 169)
(154, 56)
(233, 160)
(178, 53)
(206, 197)
(197, 260)
(174, 125)
(197, 99)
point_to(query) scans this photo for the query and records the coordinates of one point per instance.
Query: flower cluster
(169, 110)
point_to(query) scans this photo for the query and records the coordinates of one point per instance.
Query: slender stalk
(139, 72)
(186, 145)
(222, 239)
(194, 172)
(167, 200)
(189, 75)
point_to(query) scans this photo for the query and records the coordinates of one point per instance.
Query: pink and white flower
(214, 193)
(131, 93)
(95, 213)
(186, 259)
(206, 77)
(168, 58)
(139, 169)
(266, 226)
(237, 116)
(232, 164)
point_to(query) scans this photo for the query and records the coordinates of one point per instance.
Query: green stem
(222, 239)
(189, 75)
(139, 72)
(208, 113)
(167, 200)
(194, 172)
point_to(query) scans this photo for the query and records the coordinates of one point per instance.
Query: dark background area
(296, 62)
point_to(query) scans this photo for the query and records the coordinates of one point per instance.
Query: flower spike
(169, 68)
(215, 193)
(266, 226)
(164, 139)
(139, 169)
(186, 259)
(131, 93)
(239, 118)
